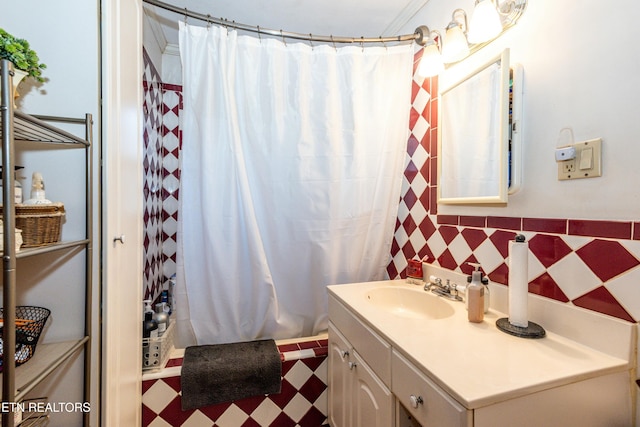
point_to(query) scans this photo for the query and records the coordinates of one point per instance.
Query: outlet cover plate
(586, 164)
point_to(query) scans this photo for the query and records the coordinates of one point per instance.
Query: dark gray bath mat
(224, 372)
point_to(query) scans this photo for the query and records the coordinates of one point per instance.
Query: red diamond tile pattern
(591, 264)
(162, 142)
(152, 112)
(301, 403)
(545, 285)
(548, 249)
(172, 144)
(607, 259)
(603, 301)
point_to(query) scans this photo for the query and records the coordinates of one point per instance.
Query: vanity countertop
(476, 363)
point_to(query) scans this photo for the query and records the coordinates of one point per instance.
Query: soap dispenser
(475, 299)
(485, 282)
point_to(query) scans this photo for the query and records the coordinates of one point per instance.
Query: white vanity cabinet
(394, 368)
(358, 396)
(361, 396)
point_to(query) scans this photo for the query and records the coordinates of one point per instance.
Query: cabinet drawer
(430, 405)
(371, 347)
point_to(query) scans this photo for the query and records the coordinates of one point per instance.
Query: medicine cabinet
(479, 135)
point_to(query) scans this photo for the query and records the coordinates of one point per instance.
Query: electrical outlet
(568, 166)
(586, 164)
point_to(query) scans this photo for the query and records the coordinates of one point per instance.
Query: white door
(122, 211)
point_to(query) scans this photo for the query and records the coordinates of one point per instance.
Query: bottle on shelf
(37, 191)
(149, 326)
(164, 298)
(161, 318)
(17, 197)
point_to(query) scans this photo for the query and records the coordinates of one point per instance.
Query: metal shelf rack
(16, 126)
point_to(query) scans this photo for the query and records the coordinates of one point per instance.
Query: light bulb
(485, 22)
(431, 63)
(455, 46)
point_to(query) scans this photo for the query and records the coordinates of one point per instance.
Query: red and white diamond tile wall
(171, 146)
(588, 263)
(152, 113)
(162, 144)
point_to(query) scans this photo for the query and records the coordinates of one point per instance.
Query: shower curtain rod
(279, 33)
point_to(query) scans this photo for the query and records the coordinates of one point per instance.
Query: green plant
(20, 53)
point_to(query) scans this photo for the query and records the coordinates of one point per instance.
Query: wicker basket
(28, 330)
(40, 224)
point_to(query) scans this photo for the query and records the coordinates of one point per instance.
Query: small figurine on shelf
(37, 191)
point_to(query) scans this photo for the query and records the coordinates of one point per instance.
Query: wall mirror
(479, 146)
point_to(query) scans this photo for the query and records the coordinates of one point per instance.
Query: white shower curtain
(292, 163)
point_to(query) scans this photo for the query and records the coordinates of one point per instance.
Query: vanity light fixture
(455, 46)
(431, 63)
(490, 19)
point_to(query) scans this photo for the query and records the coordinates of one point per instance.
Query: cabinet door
(339, 379)
(372, 401)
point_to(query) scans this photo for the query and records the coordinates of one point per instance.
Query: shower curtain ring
(333, 42)
(186, 13)
(208, 21)
(283, 40)
(259, 35)
(311, 40)
(362, 43)
(383, 43)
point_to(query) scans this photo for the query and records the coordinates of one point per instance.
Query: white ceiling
(340, 18)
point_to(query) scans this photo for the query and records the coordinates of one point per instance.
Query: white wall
(165, 57)
(581, 70)
(66, 37)
(153, 39)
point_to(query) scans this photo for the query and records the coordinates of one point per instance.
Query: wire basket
(40, 224)
(30, 322)
(155, 351)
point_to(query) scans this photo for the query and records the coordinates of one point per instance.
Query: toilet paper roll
(518, 283)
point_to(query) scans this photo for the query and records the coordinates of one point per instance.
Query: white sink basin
(408, 302)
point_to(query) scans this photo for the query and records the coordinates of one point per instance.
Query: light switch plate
(586, 164)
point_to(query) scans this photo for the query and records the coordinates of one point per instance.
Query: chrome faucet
(447, 290)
